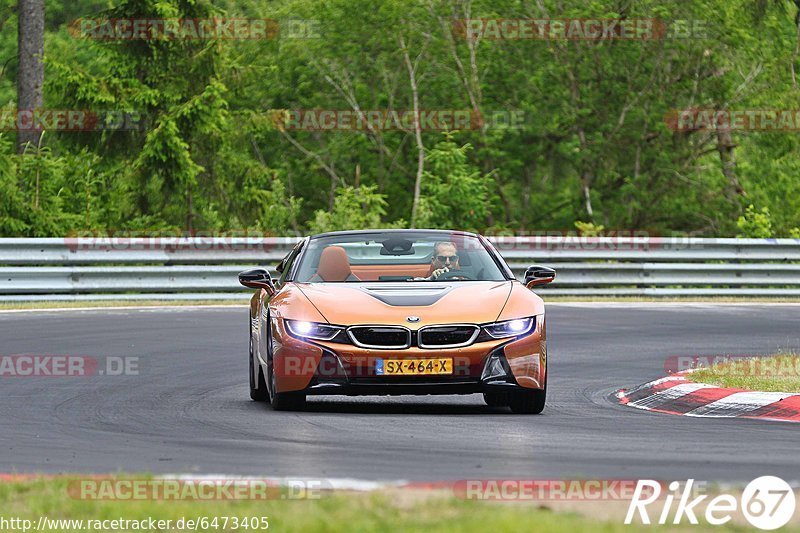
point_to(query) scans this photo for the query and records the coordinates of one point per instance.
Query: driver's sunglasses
(444, 258)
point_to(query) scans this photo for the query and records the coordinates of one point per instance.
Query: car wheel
(529, 402)
(280, 401)
(495, 399)
(258, 388)
(284, 401)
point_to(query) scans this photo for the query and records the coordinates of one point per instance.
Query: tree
(353, 208)
(455, 194)
(593, 144)
(30, 77)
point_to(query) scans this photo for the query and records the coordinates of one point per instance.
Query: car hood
(392, 303)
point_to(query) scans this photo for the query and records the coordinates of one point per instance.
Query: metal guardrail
(206, 268)
(158, 250)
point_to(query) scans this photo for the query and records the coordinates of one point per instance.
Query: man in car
(445, 259)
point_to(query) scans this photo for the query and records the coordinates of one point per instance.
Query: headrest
(334, 264)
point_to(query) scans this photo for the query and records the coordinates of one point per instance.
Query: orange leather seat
(334, 265)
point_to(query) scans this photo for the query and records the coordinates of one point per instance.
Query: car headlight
(510, 328)
(312, 330)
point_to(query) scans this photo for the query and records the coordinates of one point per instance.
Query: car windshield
(397, 256)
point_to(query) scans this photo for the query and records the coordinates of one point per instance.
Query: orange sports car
(397, 312)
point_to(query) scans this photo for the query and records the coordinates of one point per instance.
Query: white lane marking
(321, 482)
(738, 403)
(667, 395)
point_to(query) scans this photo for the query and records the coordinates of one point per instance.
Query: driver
(445, 259)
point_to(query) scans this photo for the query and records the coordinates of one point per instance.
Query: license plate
(413, 367)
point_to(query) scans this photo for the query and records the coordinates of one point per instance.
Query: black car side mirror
(258, 278)
(539, 275)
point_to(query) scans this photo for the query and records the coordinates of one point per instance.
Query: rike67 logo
(767, 503)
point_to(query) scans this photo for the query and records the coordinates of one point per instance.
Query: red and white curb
(679, 396)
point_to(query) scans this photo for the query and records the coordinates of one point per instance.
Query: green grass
(386, 510)
(779, 373)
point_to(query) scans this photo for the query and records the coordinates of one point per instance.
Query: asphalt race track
(188, 410)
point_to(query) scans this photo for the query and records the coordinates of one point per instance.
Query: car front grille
(451, 336)
(380, 337)
(398, 337)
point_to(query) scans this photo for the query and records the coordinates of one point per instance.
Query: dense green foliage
(212, 153)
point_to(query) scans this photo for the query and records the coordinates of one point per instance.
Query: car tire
(280, 401)
(495, 399)
(284, 401)
(259, 393)
(528, 402)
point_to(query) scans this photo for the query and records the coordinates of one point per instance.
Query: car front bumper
(320, 368)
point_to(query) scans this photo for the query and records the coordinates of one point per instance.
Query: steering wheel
(455, 274)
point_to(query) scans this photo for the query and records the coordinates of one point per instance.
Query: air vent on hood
(405, 295)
